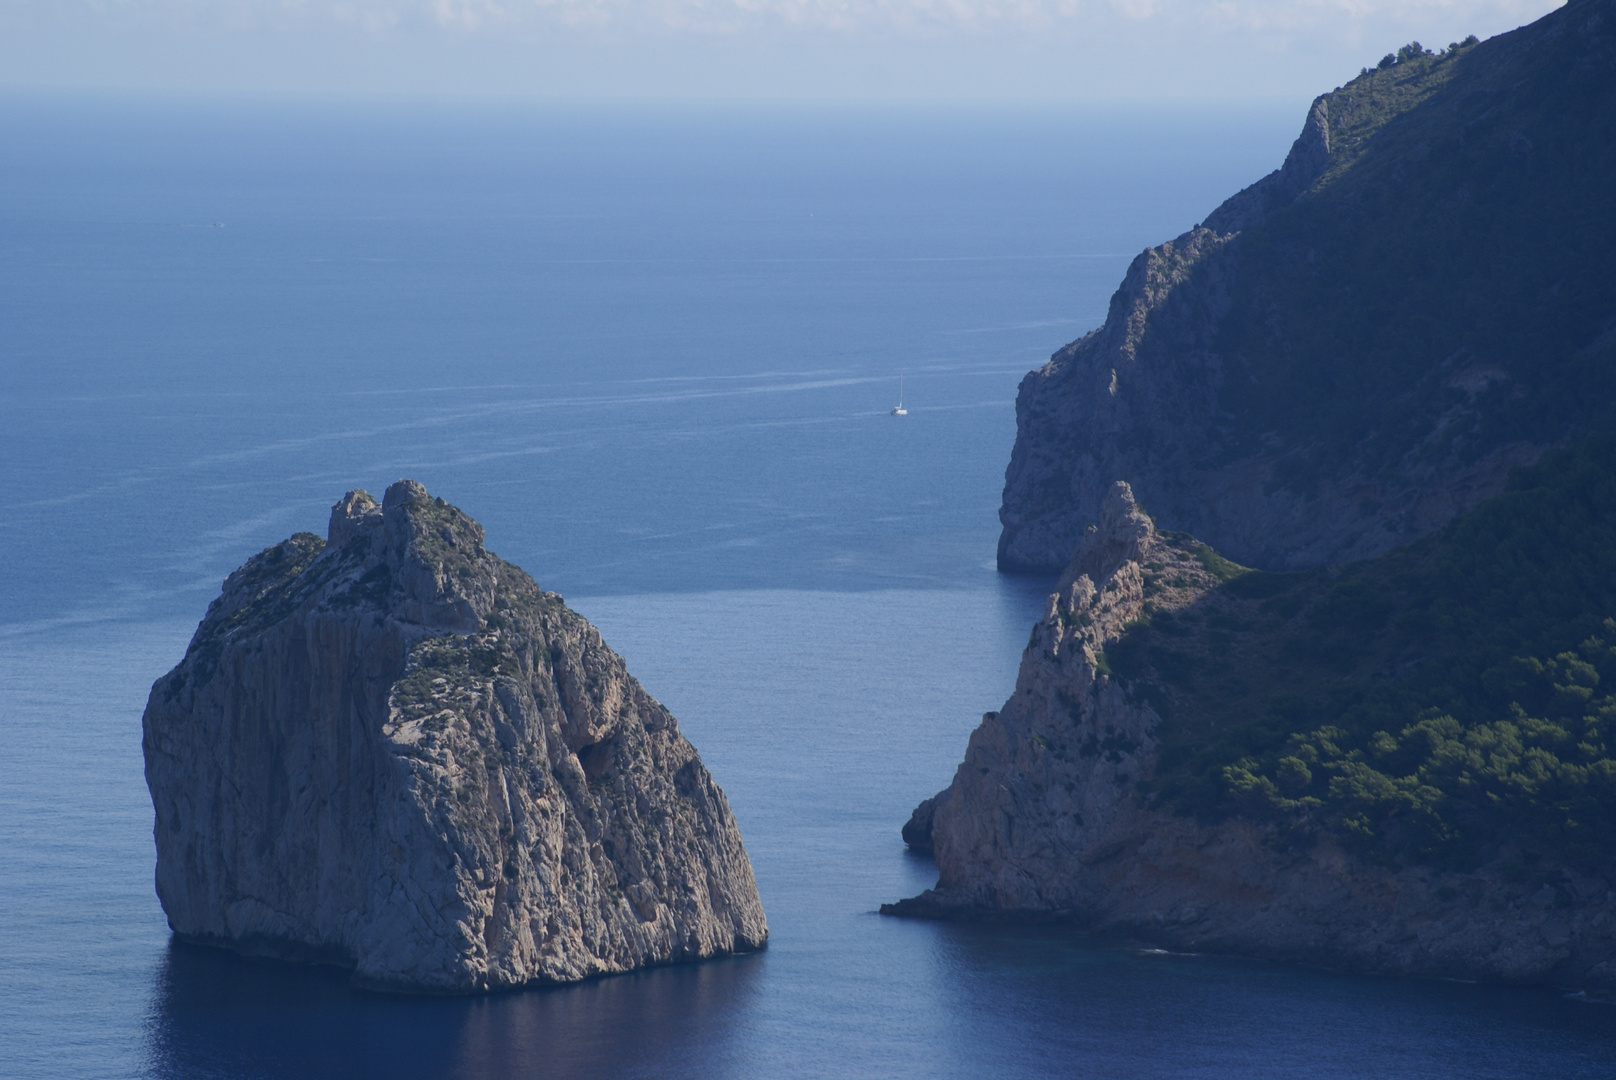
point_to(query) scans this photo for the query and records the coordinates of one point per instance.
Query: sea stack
(391, 750)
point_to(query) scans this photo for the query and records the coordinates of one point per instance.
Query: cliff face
(1046, 817)
(1358, 347)
(391, 750)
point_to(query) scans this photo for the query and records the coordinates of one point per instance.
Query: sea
(653, 348)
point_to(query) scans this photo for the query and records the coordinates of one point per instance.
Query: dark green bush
(1434, 704)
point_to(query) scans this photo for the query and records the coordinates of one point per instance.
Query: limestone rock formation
(1044, 819)
(391, 750)
(1358, 347)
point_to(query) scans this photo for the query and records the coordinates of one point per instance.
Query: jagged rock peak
(354, 513)
(1308, 160)
(1118, 538)
(393, 751)
(403, 491)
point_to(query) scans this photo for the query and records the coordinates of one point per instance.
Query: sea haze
(653, 351)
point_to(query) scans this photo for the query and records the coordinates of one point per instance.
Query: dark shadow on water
(218, 1015)
(1125, 1011)
(1026, 590)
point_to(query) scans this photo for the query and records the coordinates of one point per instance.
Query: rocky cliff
(391, 750)
(1358, 347)
(1050, 815)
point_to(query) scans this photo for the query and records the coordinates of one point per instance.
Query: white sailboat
(898, 409)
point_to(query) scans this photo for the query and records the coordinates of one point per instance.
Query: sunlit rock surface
(393, 751)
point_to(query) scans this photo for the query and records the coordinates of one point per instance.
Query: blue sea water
(652, 349)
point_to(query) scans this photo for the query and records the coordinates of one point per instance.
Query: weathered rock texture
(391, 750)
(1044, 820)
(1358, 347)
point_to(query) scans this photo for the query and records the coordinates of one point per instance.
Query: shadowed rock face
(1045, 819)
(393, 751)
(1357, 348)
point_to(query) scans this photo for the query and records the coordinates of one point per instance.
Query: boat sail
(898, 409)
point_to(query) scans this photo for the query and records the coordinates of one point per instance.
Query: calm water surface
(652, 351)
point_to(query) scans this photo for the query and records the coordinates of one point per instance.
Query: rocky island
(391, 750)
(1330, 670)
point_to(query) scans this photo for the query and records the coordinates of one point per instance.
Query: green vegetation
(1436, 704)
(1449, 285)
(460, 660)
(445, 671)
(265, 589)
(1216, 564)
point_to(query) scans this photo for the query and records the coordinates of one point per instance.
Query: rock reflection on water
(218, 1015)
(942, 1000)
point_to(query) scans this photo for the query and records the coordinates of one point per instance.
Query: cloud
(503, 17)
(935, 49)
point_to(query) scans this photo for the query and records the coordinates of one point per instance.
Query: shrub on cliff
(1434, 704)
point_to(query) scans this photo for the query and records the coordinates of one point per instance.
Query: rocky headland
(1359, 346)
(1328, 674)
(1064, 809)
(391, 750)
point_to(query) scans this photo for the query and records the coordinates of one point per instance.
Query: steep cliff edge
(1358, 347)
(391, 750)
(1407, 764)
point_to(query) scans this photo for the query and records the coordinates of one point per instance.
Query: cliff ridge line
(1358, 347)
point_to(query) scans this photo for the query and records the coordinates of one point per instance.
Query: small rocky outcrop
(1045, 819)
(391, 750)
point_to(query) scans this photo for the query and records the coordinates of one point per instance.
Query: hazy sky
(921, 49)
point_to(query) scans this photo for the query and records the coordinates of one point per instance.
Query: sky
(921, 50)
